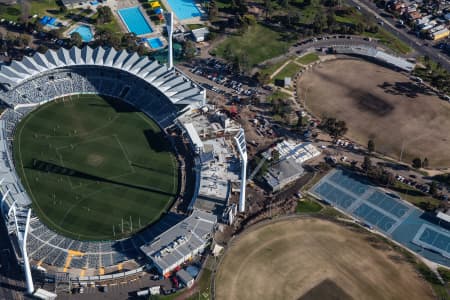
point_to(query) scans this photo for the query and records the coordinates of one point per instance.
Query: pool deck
(121, 4)
(78, 24)
(195, 20)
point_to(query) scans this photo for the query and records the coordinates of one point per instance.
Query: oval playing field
(308, 259)
(380, 104)
(95, 167)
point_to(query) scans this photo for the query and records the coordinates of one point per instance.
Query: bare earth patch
(380, 104)
(95, 160)
(312, 259)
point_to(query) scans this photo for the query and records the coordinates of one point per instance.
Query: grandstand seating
(141, 82)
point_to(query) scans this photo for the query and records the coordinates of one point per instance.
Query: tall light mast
(242, 148)
(169, 26)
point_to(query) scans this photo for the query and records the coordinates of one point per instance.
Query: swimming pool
(85, 32)
(134, 20)
(184, 9)
(155, 43)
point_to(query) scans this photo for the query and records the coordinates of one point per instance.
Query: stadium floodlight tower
(169, 26)
(26, 261)
(242, 148)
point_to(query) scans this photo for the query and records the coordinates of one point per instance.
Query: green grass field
(308, 206)
(258, 42)
(308, 58)
(94, 167)
(290, 70)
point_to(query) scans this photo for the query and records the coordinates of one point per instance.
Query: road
(369, 8)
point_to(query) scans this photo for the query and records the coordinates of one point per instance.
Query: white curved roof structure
(172, 83)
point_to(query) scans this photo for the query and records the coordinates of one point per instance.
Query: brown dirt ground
(380, 104)
(309, 259)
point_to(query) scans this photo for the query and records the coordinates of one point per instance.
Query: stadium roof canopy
(171, 82)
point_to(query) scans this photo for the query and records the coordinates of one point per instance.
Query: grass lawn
(278, 95)
(195, 26)
(390, 41)
(308, 206)
(91, 164)
(259, 43)
(307, 12)
(345, 19)
(112, 26)
(288, 71)
(308, 58)
(44, 7)
(203, 284)
(10, 12)
(271, 68)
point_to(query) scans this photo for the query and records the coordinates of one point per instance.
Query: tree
(105, 14)
(425, 163)
(433, 188)
(268, 8)
(189, 49)
(275, 155)
(417, 163)
(76, 39)
(262, 78)
(42, 49)
(366, 164)
(55, 34)
(335, 128)
(371, 146)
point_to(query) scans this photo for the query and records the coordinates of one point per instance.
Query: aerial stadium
(104, 169)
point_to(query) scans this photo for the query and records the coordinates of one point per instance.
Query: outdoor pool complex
(134, 20)
(85, 32)
(184, 9)
(155, 43)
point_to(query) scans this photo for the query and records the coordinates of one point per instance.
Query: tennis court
(404, 223)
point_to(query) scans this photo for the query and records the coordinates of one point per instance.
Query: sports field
(309, 259)
(380, 104)
(95, 167)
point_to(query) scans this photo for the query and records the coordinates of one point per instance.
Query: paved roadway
(369, 8)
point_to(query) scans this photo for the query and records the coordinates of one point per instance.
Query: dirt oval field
(380, 104)
(309, 259)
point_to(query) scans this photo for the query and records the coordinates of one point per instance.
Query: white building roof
(172, 83)
(193, 135)
(181, 242)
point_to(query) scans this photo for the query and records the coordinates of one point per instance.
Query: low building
(283, 173)
(181, 242)
(185, 278)
(200, 34)
(70, 4)
(288, 168)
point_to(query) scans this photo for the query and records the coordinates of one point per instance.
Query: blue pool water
(184, 9)
(155, 43)
(85, 32)
(134, 20)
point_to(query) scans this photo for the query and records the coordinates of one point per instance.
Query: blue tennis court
(134, 20)
(335, 196)
(388, 204)
(404, 223)
(184, 9)
(434, 239)
(350, 183)
(374, 217)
